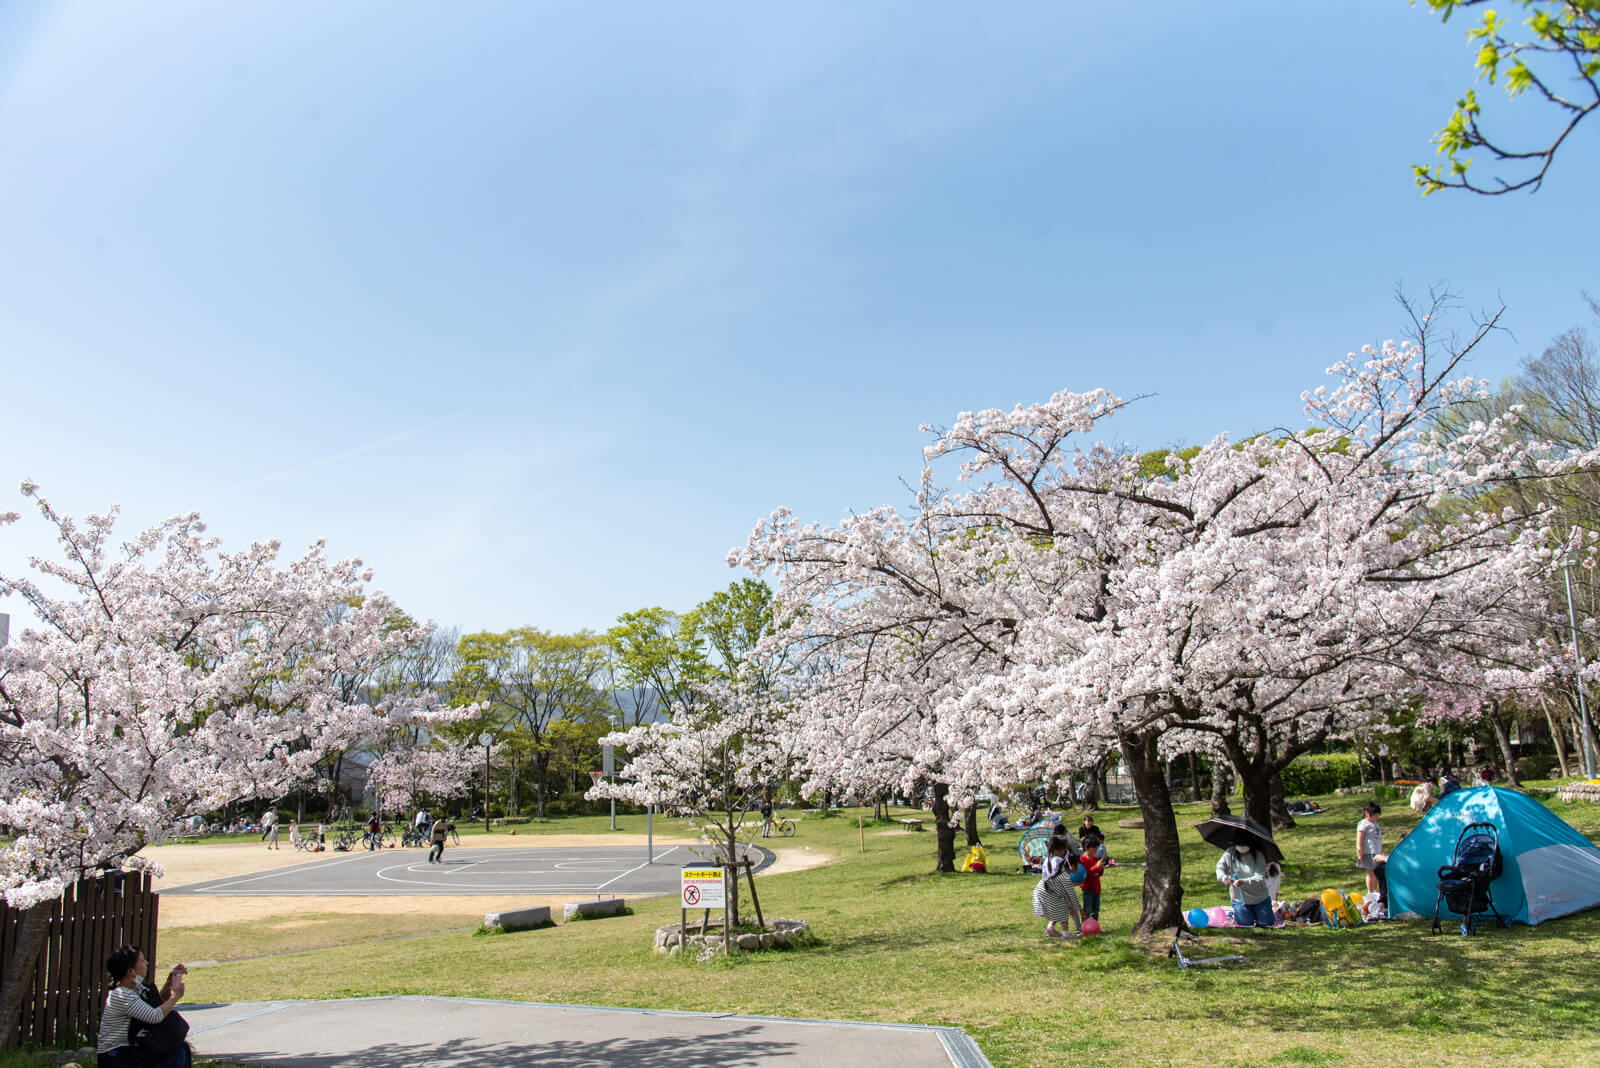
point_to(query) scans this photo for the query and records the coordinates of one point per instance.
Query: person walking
(374, 838)
(269, 824)
(272, 829)
(441, 828)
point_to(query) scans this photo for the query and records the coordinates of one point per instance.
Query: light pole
(609, 767)
(1577, 678)
(486, 741)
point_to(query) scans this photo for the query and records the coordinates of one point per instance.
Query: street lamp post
(486, 741)
(609, 767)
(1577, 678)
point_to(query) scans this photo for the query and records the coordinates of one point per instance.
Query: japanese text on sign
(703, 888)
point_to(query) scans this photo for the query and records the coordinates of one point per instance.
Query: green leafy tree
(1555, 58)
(733, 622)
(530, 680)
(656, 661)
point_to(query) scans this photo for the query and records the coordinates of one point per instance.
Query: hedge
(1321, 774)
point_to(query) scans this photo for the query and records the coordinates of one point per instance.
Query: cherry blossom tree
(1267, 592)
(164, 679)
(437, 771)
(714, 758)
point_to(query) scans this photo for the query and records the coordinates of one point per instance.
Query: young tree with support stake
(165, 679)
(713, 760)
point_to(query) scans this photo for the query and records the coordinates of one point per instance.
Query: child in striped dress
(1055, 898)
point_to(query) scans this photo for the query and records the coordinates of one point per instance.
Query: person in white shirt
(128, 968)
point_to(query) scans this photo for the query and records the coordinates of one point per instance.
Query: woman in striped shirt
(124, 1006)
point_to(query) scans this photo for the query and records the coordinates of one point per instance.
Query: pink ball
(1091, 926)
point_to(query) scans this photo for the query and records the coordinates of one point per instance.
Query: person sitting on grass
(997, 816)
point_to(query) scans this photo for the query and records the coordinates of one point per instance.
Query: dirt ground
(197, 863)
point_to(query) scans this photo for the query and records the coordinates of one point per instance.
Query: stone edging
(779, 933)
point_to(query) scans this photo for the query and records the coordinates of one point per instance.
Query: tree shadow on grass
(736, 1048)
(1433, 980)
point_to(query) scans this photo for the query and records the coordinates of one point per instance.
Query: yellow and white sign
(704, 888)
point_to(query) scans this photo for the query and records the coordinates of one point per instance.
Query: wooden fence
(68, 987)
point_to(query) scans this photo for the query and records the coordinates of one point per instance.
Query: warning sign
(704, 888)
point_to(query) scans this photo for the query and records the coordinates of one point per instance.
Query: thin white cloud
(359, 450)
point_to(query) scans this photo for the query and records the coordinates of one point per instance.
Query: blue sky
(537, 307)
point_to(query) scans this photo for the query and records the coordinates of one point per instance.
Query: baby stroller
(1464, 882)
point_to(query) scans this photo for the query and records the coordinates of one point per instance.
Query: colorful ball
(1198, 918)
(1091, 926)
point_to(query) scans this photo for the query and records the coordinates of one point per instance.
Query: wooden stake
(750, 877)
(861, 825)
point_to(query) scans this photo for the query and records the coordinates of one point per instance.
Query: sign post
(703, 888)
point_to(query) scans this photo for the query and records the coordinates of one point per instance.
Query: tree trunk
(1556, 737)
(1194, 776)
(1221, 787)
(541, 765)
(945, 833)
(515, 791)
(1280, 805)
(24, 957)
(970, 824)
(1163, 874)
(1504, 741)
(1257, 794)
(1099, 789)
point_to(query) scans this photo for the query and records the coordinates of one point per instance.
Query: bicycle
(384, 839)
(779, 828)
(346, 839)
(414, 836)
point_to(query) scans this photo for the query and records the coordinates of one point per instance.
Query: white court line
(631, 870)
(445, 891)
(298, 868)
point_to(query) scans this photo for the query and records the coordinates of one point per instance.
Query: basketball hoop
(595, 775)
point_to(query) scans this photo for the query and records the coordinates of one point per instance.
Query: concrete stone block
(592, 908)
(519, 919)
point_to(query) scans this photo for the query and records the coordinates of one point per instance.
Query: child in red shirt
(1094, 865)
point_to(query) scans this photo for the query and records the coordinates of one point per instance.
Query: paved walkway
(408, 1032)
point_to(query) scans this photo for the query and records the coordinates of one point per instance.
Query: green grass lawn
(898, 943)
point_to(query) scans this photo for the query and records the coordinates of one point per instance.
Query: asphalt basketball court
(620, 870)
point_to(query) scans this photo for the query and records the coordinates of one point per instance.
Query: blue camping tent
(1550, 868)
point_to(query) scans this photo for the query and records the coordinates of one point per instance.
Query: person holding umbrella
(1247, 852)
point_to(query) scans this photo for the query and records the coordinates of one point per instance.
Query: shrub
(1536, 766)
(1321, 774)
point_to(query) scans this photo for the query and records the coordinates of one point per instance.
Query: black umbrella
(1225, 831)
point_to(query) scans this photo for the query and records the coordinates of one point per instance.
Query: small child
(1369, 843)
(1093, 864)
(1055, 898)
(294, 834)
